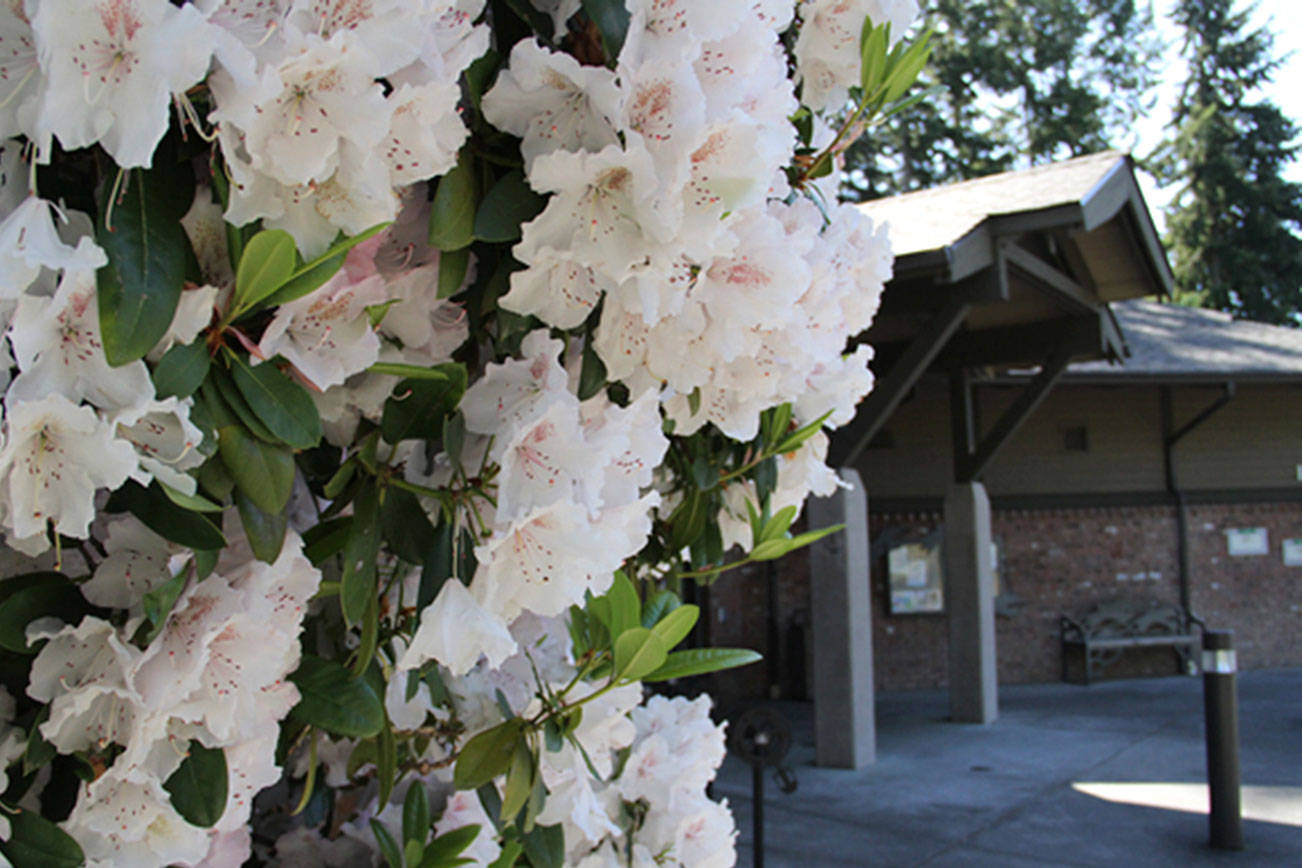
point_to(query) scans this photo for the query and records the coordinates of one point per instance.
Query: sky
(1284, 19)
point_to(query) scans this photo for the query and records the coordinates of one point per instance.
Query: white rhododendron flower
(112, 68)
(56, 454)
(515, 393)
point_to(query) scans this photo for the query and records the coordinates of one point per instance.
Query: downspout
(1170, 437)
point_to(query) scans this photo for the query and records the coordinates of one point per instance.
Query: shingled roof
(1169, 342)
(935, 218)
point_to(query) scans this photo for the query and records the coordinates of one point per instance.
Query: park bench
(1102, 633)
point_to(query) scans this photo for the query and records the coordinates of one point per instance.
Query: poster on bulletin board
(915, 577)
(1293, 552)
(1242, 541)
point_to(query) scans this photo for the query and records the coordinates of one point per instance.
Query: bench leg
(1089, 664)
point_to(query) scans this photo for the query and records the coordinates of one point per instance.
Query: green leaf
(545, 846)
(263, 472)
(452, 213)
(38, 752)
(444, 849)
(592, 373)
(453, 265)
(405, 527)
(872, 56)
(234, 406)
(675, 626)
(611, 18)
(264, 530)
(164, 518)
(386, 766)
(282, 405)
(442, 373)
(770, 549)
(158, 603)
(32, 596)
(479, 75)
(266, 264)
(687, 522)
(181, 369)
(777, 526)
(698, 661)
(192, 502)
(35, 842)
(508, 204)
(487, 755)
(660, 605)
(146, 245)
(326, 539)
(519, 780)
(625, 607)
(415, 813)
(332, 699)
(199, 785)
(311, 275)
(796, 438)
(418, 408)
(511, 851)
(638, 652)
(360, 554)
(388, 847)
(437, 567)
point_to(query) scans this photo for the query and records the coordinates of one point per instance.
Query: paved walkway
(1108, 775)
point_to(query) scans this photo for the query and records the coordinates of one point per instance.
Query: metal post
(757, 812)
(1221, 708)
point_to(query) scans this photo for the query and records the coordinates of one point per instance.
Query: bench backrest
(1129, 616)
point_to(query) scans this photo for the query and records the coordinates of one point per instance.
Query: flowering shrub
(379, 371)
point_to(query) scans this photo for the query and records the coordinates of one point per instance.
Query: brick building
(1099, 424)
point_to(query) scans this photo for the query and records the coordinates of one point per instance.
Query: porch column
(845, 728)
(970, 604)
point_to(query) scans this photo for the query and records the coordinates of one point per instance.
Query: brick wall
(1053, 562)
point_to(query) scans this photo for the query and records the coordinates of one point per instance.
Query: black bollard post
(1221, 709)
(757, 812)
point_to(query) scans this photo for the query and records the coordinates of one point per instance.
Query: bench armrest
(1071, 629)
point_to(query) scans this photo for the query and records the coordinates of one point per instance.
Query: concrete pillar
(845, 726)
(970, 604)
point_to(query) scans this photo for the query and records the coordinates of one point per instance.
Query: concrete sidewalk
(1066, 777)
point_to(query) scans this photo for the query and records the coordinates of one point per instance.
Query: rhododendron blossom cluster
(381, 377)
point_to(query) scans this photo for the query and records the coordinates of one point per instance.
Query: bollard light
(1221, 711)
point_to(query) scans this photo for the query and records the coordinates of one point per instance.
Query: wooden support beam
(970, 467)
(1066, 292)
(852, 440)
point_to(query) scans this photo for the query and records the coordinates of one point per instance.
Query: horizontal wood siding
(1255, 441)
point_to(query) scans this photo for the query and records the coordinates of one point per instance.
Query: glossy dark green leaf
(660, 604)
(519, 780)
(265, 530)
(333, 700)
(266, 263)
(265, 473)
(388, 847)
(445, 850)
(282, 405)
(199, 785)
(326, 539)
(415, 813)
(158, 602)
(386, 764)
(453, 266)
(452, 213)
(418, 408)
(479, 75)
(193, 502)
(181, 369)
(360, 554)
(38, 752)
(437, 567)
(32, 596)
(592, 373)
(146, 245)
(487, 755)
(229, 402)
(405, 527)
(35, 842)
(165, 518)
(545, 846)
(698, 661)
(611, 18)
(509, 203)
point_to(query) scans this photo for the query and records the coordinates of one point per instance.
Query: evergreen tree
(1016, 82)
(1232, 228)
